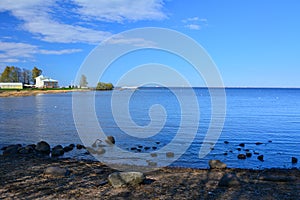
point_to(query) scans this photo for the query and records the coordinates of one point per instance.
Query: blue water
(269, 116)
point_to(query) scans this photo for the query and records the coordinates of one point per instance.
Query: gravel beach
(23, 177)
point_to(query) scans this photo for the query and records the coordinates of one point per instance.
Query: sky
(253, 43)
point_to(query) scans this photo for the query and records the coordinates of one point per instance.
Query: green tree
(11, 74)
(83, 81)
(104, 86)
(35, 73)
(26, 76)
(5, 76)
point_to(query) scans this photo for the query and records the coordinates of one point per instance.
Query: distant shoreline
(23, 93)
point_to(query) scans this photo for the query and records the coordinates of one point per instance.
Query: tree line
(17, 75)
(100, 86)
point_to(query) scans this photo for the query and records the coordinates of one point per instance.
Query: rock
(140, 146)
(242, 145)
(170, 154)
(225, 154)
(110, 140)
(11, 150)
(80, 146)
(229, 180)
(247, 150)
(294, 160)
(96, 143)
(154, 148)
(57, 151)
(100, 151)
(32, 146)
(43, 147)
(258, 143)
(270, 141)
(72, 145)
(91, 150)
(151, 163)
(217, 164)
(121, 179)
(147, 148)
(276, 178)
(133, 148)
(157, 142)
(248, 154)
(56, 172)
(3, 148)
(26, 150)
(241, 156)
(68, 148)
(256, 153)
(153, 154)
(239, 149)
(260, 157)
(226, 142)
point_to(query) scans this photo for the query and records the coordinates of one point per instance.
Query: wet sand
(20, 93)
(22, 177)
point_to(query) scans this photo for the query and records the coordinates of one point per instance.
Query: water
(269, 116)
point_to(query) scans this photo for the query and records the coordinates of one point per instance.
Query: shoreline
(24, 93)
(23, 177)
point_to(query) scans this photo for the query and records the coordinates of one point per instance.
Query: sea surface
(268, 116)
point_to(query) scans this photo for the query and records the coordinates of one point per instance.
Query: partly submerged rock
(260, 157)
(11, 150)
(217, 164)
(57, 151)
(121, 179)
(242, 156)
(110, 140)
(43, 147)
(294, 160)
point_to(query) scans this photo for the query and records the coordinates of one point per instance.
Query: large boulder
(56, 172)
(121, 179)
(217, 164)
(26, 150)
(43, 147)
(11, 150)
(57, 151)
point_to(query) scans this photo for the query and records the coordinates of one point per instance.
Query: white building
(11, 86)
(45, 82)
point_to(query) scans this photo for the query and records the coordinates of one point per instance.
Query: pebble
(217, 164)
(260, 157)
(121, 179)
(229, 180)
(241, 156)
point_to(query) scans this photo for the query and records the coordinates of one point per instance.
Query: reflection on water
(270, 116)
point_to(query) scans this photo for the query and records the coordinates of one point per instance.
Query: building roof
(46, 79)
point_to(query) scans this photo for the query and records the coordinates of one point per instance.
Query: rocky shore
(30, 173)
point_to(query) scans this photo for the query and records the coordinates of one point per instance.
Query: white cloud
(193, 26)
(121, 10)
(194, 23)
(39, 17)
(138, 42)
(59, 52)
(16, 52)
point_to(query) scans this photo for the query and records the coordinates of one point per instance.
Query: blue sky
(254, 43)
